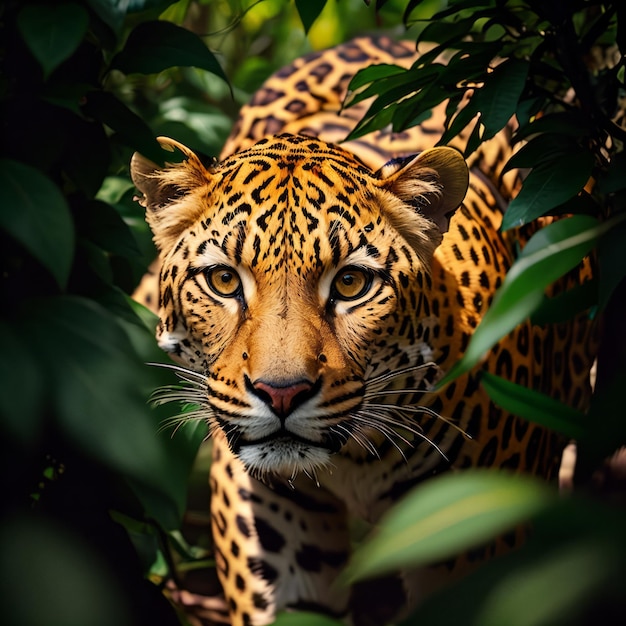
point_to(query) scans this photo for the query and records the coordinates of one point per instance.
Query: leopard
(313, 291)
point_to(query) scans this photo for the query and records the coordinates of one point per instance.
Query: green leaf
(155, 46)
(105, 227)
(446, 515)
(612, 257)
(549, 254)
(521, 600)
(534, 406)
(543, 148)
(20, 412)
(373, 73)
(35, 213)
(547, 186)
(52, 33)
(302, 618)
(36, 553)
(131, 129)
(111, 13)
(566, 305)
(574, 535)
(309, 11)
(99, 390)
(569, 123)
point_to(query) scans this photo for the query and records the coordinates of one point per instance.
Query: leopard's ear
(433, 183)
(172, 195)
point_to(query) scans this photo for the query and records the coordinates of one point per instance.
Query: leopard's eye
(223, 281)
(351, 283)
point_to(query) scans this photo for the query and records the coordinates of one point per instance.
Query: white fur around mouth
(286, 456)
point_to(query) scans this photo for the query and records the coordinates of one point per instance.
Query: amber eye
(223, 281)
(351, 283)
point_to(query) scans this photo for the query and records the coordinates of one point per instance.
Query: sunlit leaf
(155, 46)
(547, 186)
(309, 11)
(35, 213)
(549, 254)
(535, 406)
(445, 516)
(373, 73)
(576, 550)
(52, 32)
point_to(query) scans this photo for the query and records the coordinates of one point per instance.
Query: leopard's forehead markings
(290, 203)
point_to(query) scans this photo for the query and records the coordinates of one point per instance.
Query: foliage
(94, 488)
(561, 74)
(83, 459)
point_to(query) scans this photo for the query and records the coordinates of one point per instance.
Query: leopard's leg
(276, 547)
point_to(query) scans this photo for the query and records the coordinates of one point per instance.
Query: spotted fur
(314, 296)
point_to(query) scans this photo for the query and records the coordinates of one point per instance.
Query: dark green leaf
(111, 13)
(566, 305)
(613, 180)
(542, 149)
(535, 406)
(35, 213)
(304, 619)
(20, 411)
(131, 129)
(105, 227)
(549, 254)
(36, 553)
(612, 256)
(446, 32)
(373, 73)
(155, 46)
(52, 32)
(99, 392)
(547, 186)
(572, 123)
(309, 11)
(446, 515)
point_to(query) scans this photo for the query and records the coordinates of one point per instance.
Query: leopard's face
(292, 278)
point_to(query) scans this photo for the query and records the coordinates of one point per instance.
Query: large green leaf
(98, 390)
(36, 553)
(33, 211)
(549, 254)
(52, 32)
(155, 46)
(131, 129)
(22, 384)
(309, 11)
(576, 551)
(446, 515)
(548, 185)
(535, 406)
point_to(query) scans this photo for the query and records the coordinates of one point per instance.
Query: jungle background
(96, 486)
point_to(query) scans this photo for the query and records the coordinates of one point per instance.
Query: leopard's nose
(284, 397)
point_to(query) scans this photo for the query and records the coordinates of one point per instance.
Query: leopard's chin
(284, 457)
